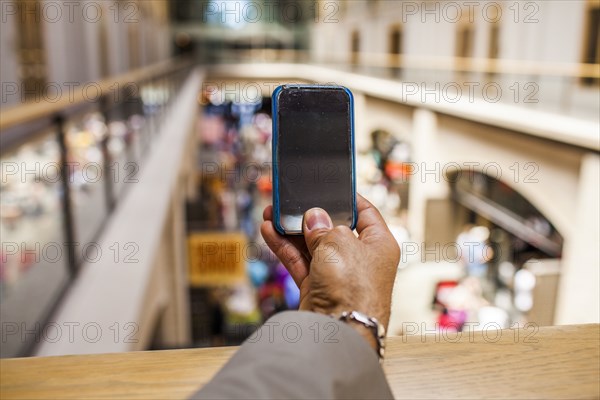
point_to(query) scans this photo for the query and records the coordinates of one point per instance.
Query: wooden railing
(436, 63)
(32, 110)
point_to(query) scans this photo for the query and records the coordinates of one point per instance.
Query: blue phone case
(275, 161)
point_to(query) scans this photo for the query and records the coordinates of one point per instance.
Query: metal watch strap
(375, 326)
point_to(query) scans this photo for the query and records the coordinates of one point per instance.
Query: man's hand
(335, 270)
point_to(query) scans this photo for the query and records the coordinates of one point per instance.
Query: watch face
(365, 320)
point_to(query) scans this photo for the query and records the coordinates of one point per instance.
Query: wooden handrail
(483, 65)
(33, 110)
(441, 63)
(549, 362)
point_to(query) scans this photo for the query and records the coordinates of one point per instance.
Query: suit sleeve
(300, 355)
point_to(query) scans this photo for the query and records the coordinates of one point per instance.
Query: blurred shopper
(475, 250)
(331, 347)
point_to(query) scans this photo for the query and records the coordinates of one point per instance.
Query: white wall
(549, 32)
(64, 45)
(9, 73)
(72, 41)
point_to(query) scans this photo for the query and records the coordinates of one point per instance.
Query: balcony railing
(67, 163)
(569, 89)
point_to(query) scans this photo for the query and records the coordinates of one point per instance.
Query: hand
(335, 270)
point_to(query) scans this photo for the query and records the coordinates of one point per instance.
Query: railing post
(109, 192)
(69, 226)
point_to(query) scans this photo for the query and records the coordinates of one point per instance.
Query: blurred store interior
(136, 162)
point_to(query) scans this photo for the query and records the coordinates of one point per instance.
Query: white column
(578, 296)
(427, 182)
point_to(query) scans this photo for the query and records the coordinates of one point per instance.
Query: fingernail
(317, 218)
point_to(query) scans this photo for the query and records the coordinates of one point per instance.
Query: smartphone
(313, 155)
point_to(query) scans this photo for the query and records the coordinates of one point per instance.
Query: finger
(315, 225)
(268, 213)
(300, 244)
(297, 241)
(289, 254)
(370, 223)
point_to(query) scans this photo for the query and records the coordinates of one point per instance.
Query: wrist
(368, 327)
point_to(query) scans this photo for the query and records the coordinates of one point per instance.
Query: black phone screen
(314, 155)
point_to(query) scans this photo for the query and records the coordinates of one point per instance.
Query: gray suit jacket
(300, 355)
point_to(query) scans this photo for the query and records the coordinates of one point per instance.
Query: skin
(337, 270)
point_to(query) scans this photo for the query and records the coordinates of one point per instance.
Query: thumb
(316, 225)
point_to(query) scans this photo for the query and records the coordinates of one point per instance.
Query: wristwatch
(374, 326)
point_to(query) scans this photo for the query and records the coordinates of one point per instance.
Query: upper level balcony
(130, 201)
(110, 244)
